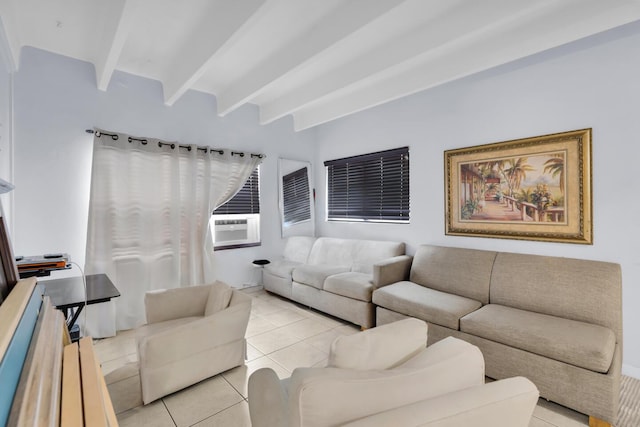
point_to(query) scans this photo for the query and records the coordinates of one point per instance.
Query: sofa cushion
(315, 275)
(351, 284)
(427, 304)
(298, 248)
(383, 347)
(282, 268)
(584, 290)
(464, 272)
(219, 297)
(578, 343)
(358, 255)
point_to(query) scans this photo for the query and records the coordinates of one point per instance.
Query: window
(236, 224)
(246, 201)
(295, 197)
(370, 187)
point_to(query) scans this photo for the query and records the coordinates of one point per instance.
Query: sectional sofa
(336, 276)
(556, 321)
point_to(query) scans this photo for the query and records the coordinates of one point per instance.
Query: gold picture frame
(535, 188)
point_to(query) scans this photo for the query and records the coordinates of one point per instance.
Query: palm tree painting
(535, 188)
(523, 188)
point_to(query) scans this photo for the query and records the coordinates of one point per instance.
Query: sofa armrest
(186, 340)
(504, 403)
(168, 304)
(267, 399)
(391, 270)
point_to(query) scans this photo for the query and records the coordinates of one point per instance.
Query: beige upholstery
(180, 346)
(449, 374)
(428, 304)
(585, 345)
(502, 403)
(556, 321)
(337, 276)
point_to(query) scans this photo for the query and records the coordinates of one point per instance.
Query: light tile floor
(281, 335)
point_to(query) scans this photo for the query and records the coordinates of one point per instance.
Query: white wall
(591, 83)
(6, 171)
(56, 100)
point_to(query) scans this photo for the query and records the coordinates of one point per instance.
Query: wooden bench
(46, 380)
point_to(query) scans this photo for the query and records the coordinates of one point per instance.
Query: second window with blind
(370, 187)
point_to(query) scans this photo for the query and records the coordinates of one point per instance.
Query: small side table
(260, 263)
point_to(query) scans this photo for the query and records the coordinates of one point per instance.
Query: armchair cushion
(382, 347)
(168, 304)
(219, 297)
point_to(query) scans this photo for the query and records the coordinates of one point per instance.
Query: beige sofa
(336, 276)
(386, 377)
(191, 334)
(556, 321)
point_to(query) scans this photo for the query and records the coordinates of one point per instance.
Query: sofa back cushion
(297, 248)
(464, 272)
(382, 347)
(358, 255)
(584, 290)
(219, 297)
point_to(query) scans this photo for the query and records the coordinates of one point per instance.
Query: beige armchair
(191, 334)
(385, 376)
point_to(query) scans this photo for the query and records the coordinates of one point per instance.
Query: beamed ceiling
(316, 60)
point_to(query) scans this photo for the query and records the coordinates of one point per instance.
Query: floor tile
(253, 353)
(236, 416)
(239, 377)
(559, 415)
(122, 372)
(305, 328)
(264, 307)
(152, 415)
(125, 394)
(201, 401)
(537, 422)
(259, 325)
(283, 317)
(323, 340)
(273, 340)
(116, 364)
(298, 355)
(111, 349)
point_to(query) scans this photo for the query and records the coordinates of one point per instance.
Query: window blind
(370, 187)
(296, 196)
(247, 200)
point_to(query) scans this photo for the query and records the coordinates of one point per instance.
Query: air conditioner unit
(235, 230)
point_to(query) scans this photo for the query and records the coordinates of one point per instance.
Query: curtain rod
(173, 145)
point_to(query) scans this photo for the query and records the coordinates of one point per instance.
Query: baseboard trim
(631, 371)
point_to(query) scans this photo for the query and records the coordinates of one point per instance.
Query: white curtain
(149, 214)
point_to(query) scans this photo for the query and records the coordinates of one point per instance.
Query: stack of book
(41, 265)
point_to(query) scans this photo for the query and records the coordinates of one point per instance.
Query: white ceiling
(314, 59)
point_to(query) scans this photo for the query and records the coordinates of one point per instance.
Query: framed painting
(535, 188)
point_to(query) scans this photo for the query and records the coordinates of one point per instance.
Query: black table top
(69, 292)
